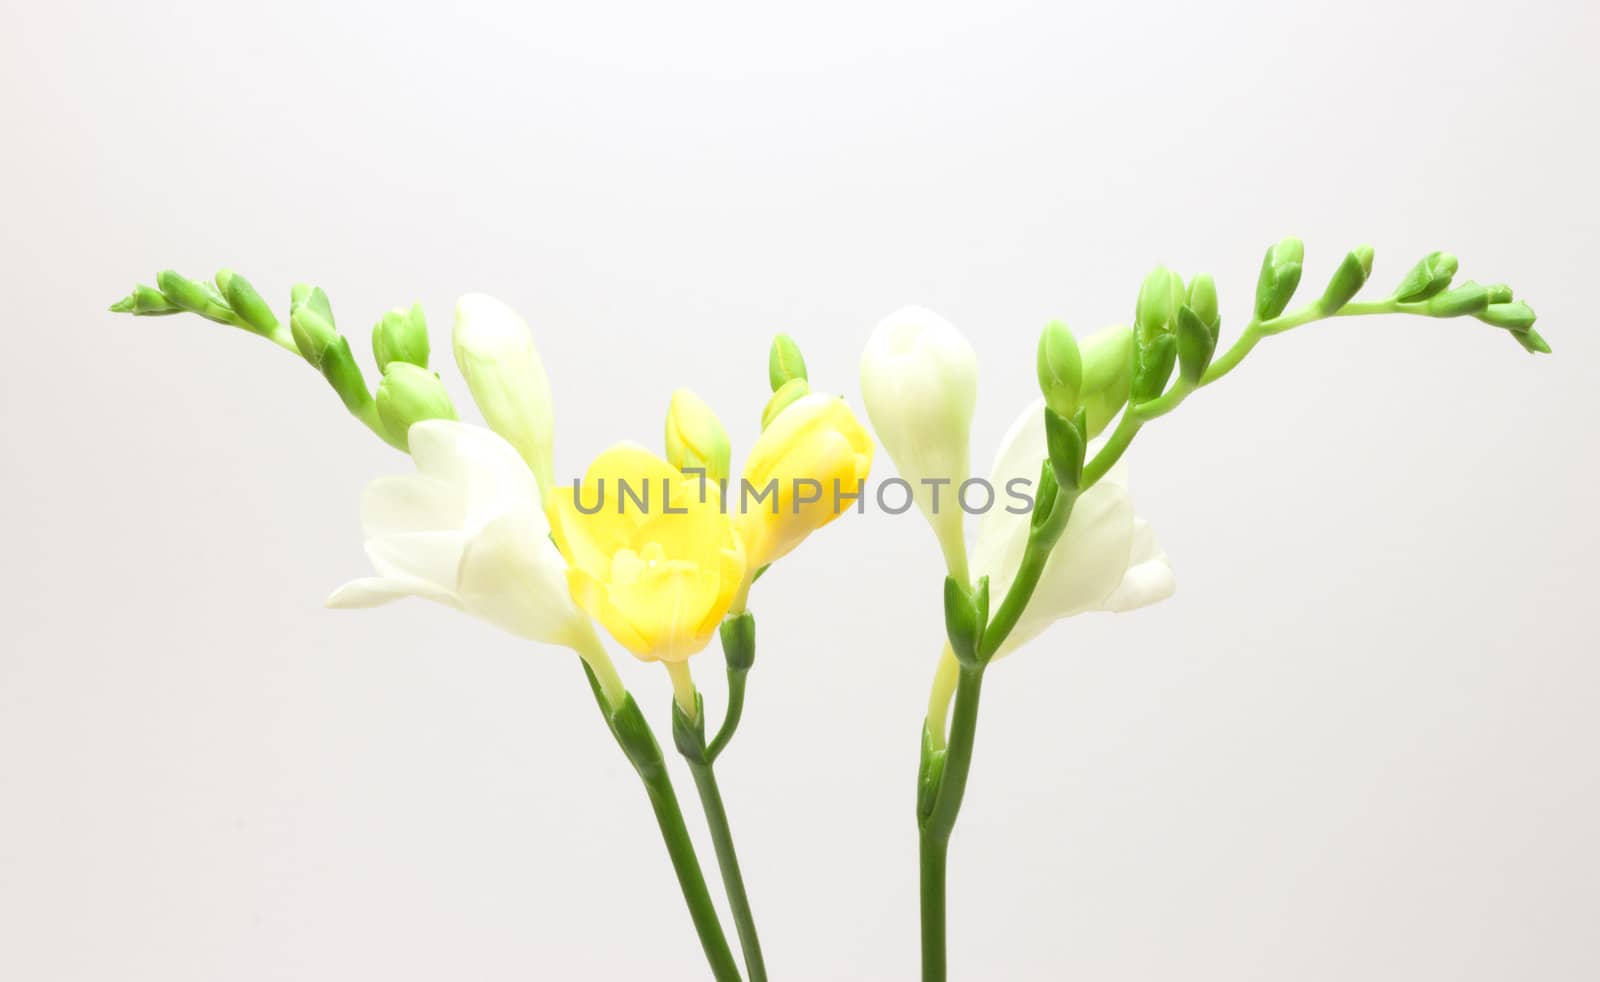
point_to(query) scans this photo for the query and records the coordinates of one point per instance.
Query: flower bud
(784, 363)
(1107, 375)
(145, 301)
(1347, 280)
(1498, 293)
(1066, 445)
(402, 335)
(410, 394)
(966, 613)
(1468, 298)
(1517, 316)
(787, 395)
(1428, 277)
(1203, 301)
(1157, 308)
(1280, 276)
(1531, 342)
(1060, 367)
(247, 303)
(196, 298)
(495, 353)
(695, 437)
(313, 334)
(919, 379)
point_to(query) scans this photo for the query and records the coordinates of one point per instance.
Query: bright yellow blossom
(804, 471)
(656, 562)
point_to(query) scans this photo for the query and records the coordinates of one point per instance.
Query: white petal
(1002, 535)
(410, 503)
(1146, 583)
(378, 590)
(485, 470)
(431, 557)
(512, 576)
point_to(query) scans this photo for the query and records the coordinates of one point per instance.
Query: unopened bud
(1280, 277)
(1060, 367)
(1347, 280)
(1429, 277)
(247, 303)
(145, 301)
(409, 394)
(194, 297)
(401, 336)
(1203, 301)
(1515, 316)
(1468, 298)
(696, 440)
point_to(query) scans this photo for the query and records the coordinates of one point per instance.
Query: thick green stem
(934, 853)
(705, 780)
(693, 883)
(941, 819)
(730, 721)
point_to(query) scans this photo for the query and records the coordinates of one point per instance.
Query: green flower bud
(194, 297)
(1468, 298)
(339, 367)
(1060, 367)
(738, 634)
(1429, 277)
(696, 439)
(247, 303)
(1196, 344)
(145, 301)
(1517, 316)
(1203, 301)
(784, 363)
(302, 295)
(313, 334)
(1107, 356)
(1347, 280)
(402, 336)
(409, 394)
(1280, 277)
(1156, 310)
(787, 395)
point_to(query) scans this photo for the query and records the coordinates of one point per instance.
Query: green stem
(633, 735)
(705, 781)
(730, 722)
(936, 828)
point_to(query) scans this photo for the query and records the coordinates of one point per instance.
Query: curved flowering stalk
(1083, 548)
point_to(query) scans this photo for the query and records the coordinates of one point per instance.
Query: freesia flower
(495, 353)
(919, 379)
(654, 560)
(1107, 558)
(468, 531)
(814, 455)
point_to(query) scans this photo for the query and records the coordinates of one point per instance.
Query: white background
(1358, 744)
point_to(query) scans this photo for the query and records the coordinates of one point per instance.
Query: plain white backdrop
(1358, 744)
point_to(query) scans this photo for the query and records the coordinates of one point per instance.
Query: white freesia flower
(919, 380)
(467, 531)
(494, 350)
(1107, 558)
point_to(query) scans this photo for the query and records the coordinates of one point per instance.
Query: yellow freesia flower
(653, 561)
(803, 472)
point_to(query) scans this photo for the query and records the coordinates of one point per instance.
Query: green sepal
(738, 634)
(1347, 280)
(247, 303)
(1279, 278)
(313, 334)
(1428, 278)
(1514, 316)
(1044, 503)
(1066, 444)
(689, 736)
(784, 362)
(965, 614)
(194, 297)
(340, 369)
(145, 301)
(402, 335)
(1532, 342)
(1196, 344)
(1154, 368)
(1468, 298)
(633, 735)
(930, 770)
